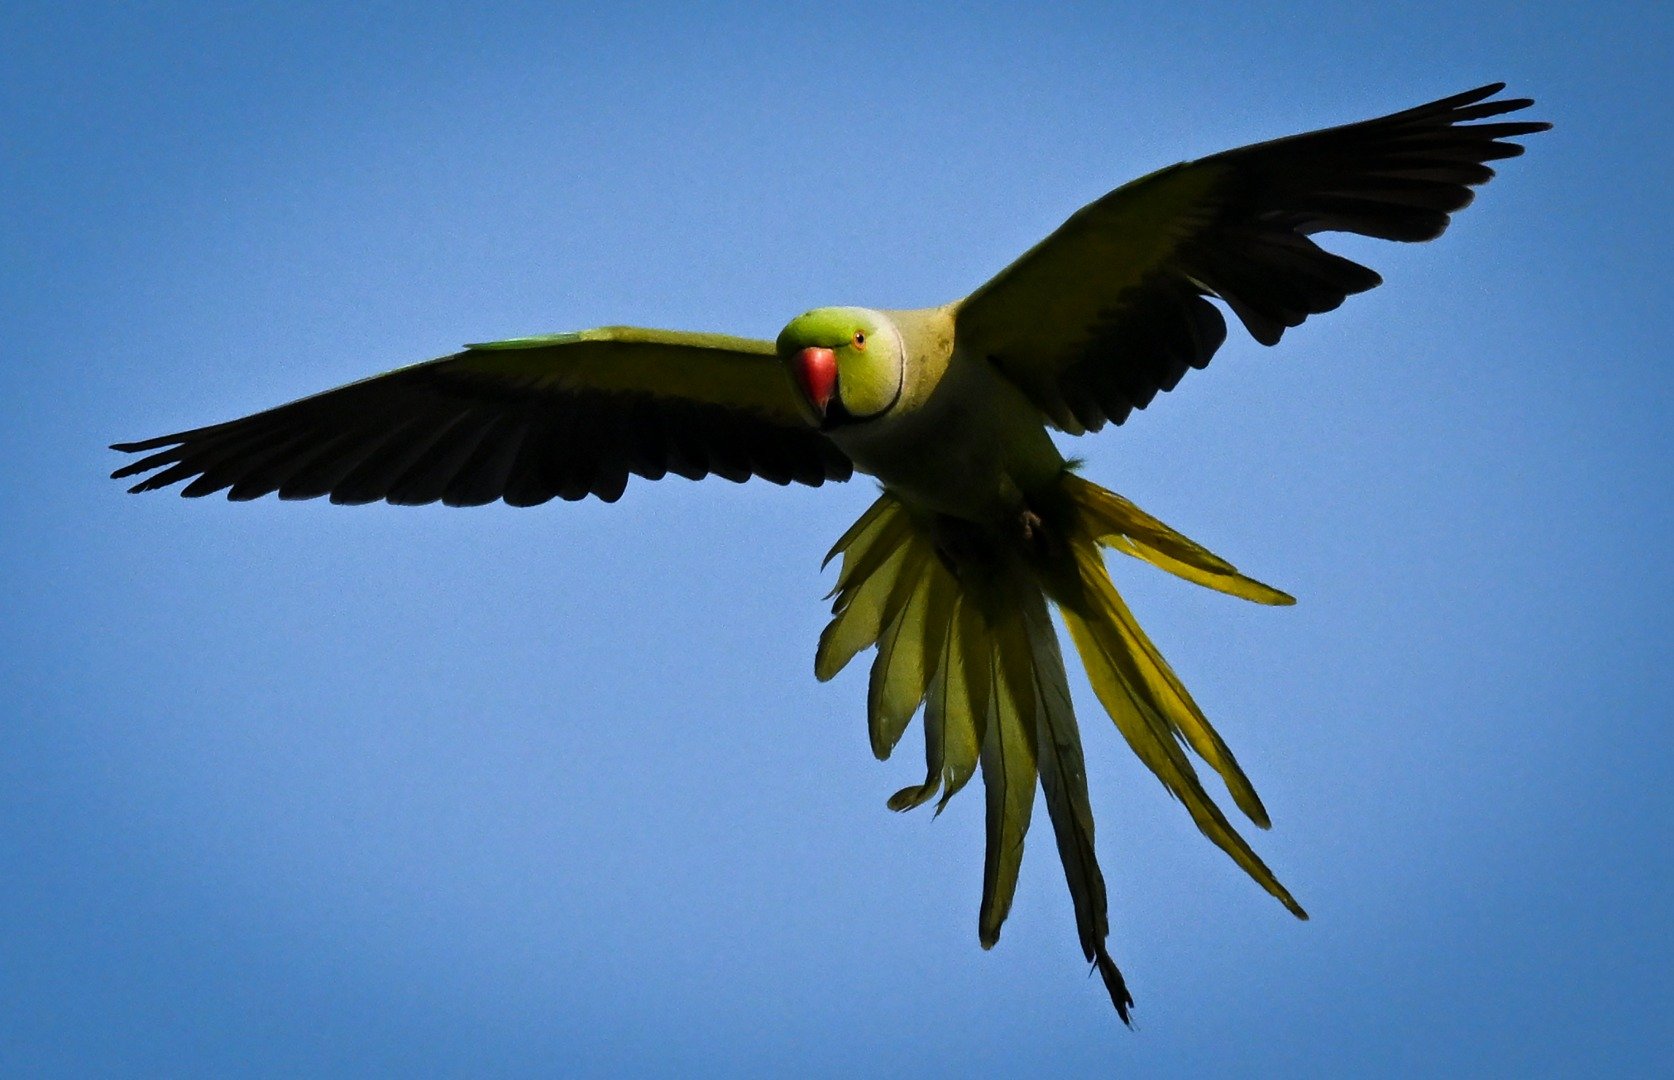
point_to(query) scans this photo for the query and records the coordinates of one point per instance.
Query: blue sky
(299, 789)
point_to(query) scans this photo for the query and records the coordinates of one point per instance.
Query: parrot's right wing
(527, 420)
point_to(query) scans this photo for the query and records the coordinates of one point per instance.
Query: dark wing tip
(1472, 105)
(173, 437)
(1521, 127)
(1461, 100)
(148, 463)
(145, 444)
(1466, 98)
(1487, 90)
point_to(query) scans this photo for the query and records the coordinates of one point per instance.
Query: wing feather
(528, 420)
(1114, 306)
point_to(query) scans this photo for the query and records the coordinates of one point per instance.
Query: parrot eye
(860, 339)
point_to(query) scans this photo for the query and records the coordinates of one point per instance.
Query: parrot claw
(1037, 538)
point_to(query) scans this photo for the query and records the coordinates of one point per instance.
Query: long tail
(958, 614)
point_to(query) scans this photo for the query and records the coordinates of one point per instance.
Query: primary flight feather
(981, 523)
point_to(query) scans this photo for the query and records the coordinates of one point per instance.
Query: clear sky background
(295, 789)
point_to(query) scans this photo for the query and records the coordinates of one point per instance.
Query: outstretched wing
(528, 420)
(1114, 306)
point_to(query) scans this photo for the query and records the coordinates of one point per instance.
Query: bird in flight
(982, 525)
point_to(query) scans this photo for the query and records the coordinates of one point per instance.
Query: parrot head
(848, 363)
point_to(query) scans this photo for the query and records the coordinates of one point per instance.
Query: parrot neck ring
(815, 369)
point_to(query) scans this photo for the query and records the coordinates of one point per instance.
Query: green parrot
(982, 525)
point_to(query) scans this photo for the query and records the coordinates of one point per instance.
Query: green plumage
(959, 618)
(982, 524)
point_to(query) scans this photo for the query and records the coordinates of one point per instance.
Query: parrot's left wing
(1114, 306)
(528, 420)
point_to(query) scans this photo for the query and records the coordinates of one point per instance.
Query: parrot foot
(1037, 538)
(963, 545)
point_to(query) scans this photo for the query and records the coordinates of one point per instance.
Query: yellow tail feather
(958, 613)
(1117, 523)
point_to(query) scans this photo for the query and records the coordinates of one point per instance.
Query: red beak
(816, 374)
